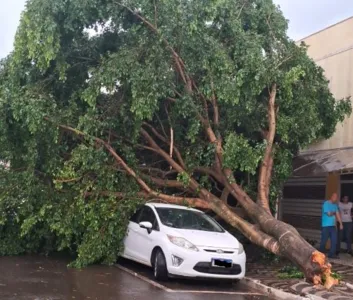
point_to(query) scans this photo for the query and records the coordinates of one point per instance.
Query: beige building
(326, 166)
(332, 49)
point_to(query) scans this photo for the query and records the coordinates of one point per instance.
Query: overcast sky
(305, 17)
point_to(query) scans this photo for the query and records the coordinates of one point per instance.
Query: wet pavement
(182, 284)
(41, 278)
(267, 274)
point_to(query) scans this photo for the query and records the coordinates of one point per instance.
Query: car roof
(165, 205)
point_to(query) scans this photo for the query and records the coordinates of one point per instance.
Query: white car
(180, 241)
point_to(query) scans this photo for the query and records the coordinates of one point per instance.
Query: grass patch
(270, 257)
(290, 272)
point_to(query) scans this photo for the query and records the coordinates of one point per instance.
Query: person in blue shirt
(330, 215)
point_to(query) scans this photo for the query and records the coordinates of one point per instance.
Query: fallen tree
(107, 103)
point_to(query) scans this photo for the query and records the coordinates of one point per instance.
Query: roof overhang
(318, 163)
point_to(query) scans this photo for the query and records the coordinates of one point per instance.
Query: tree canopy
(108, 103)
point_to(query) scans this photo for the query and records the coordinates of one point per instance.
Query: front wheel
(160, 270)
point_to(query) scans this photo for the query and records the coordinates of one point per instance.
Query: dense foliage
(87, 75)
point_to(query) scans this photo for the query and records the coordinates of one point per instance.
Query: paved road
(39, 278)
(186, 284)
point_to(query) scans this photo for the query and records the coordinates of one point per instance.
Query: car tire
(160, 271)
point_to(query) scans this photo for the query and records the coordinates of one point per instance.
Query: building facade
(326, 166)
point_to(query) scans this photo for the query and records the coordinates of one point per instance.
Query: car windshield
(187, 219)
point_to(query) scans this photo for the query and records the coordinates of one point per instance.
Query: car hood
(207, 239)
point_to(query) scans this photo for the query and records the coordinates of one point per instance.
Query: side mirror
(146, 225)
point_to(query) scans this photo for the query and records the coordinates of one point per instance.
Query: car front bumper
(198, 263)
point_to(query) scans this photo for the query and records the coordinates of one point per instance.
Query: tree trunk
(267, 232)
(289, 244)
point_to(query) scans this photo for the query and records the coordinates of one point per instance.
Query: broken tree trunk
(282, 239)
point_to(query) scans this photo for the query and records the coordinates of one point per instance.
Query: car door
(145, 241)
(130, 247)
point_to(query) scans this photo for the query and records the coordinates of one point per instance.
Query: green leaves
(105, 68)
(240, 155)
(184, 178)
(38, 37)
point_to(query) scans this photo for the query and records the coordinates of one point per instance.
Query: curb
(153, 283)
(349, 285)
(168, 290)
(276, 293)
(254, 284)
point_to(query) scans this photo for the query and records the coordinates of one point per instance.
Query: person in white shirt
(345, 208)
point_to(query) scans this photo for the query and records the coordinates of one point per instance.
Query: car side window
(147, 215)
(135, 216)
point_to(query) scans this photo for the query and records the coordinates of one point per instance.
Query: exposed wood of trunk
(267, 162)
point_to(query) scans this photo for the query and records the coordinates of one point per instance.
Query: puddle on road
(41, 278)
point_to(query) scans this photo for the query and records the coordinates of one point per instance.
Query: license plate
(221, 263)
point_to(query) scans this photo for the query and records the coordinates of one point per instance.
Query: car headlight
(241, 248)
(181, 242)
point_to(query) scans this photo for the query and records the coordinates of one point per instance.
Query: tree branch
(203, 170)
(241, 9)
(171, 142)
(131, 172)
(180, 66)
(146, 148)
(162, 127)
(163, 139)
(215, 106)
(173, 100)
(267, 162)
(193, 184)
(253, 233)
(225, 194)
(158, 171)
(155, 13)
(216, 124)
(196, 202)
(162, 153)
(165, 182)
(238, 193)
(210, 172)
(67, 180)
(207, 201)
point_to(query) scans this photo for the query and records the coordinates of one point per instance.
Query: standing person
(345, 208)
(330, 215)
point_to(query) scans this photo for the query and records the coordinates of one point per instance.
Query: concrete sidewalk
(345, 259)
(267, 275)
